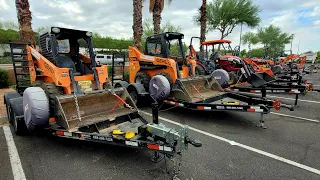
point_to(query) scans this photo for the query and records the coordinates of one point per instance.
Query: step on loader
(164, 73)
(69, 95)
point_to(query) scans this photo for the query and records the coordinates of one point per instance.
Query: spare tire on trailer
(159, 87)
(166, 75)
(36, 108)
(222, 77)
(142, 78)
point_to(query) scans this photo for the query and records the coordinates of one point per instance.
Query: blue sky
(114, 17)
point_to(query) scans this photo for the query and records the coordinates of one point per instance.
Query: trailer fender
(121, 84)
(35, 108)
(138, 94)
(139, 88)
(10, 95)
(6, 99)
(16, 109)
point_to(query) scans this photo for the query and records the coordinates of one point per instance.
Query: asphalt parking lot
(233, 148)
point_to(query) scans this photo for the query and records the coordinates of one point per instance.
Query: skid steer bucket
(94, 107)
(259, 79)
(196, 89)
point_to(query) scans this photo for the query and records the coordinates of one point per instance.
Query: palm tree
(156, 7)
(24, 19)
(203, 20)
(137, 23)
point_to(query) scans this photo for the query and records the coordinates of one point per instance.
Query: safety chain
(77, 105)
(176, 166)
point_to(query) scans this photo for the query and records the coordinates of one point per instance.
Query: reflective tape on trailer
(255, 91)
(158, 147)
(232, 89)
(294, 91)
(132, 143)
(203, 108)
(174, 103)
(255, 109)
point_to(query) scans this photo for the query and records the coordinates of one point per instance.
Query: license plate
(85, 86)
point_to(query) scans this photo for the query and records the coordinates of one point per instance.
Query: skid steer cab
(63, 90)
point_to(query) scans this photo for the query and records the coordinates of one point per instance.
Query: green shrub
(6, 54)
(5, 60)
(109, 71)
(126, 76)
(4, 83)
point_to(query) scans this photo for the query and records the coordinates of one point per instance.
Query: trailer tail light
(276, 104)
(305, 81)
(310, 87)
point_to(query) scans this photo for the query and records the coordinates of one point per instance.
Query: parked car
(107, 59)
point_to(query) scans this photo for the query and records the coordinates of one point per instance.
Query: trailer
(69, 95)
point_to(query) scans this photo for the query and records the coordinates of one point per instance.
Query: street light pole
(291, 43)
(240, 40)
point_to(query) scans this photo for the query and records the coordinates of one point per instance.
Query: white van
(107, 59)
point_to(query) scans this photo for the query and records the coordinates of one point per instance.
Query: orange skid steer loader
(68, 94)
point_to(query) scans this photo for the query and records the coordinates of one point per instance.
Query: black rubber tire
(51, 91)
(233, 78)
(200, 70)
(9, 113)
(166, 75)
(19, 127)
(144, 79)
(135, 96)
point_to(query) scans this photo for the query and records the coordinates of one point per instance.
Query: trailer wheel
(200, 70)
(142, 78)
(134, 96)
(16, 109)
(9, 113)
(166, 75)
(233, 78)
(19, 127)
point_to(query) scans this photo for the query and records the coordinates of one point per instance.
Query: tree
(225, 15)
(258, 53)
(156, 8)
(250, 38)
(272, 36)
(137, 23)
(24, 19)
(203, 20)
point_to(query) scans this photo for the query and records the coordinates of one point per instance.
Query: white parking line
(296, 117)
(18, 173)
(233, 143)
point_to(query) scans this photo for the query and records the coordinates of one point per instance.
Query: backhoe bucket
(196, 89)
(259, 79)
(94, 107)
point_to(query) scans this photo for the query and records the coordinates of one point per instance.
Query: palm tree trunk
(24, 19)
(156, 17)
(137, 23)
(203, 20)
